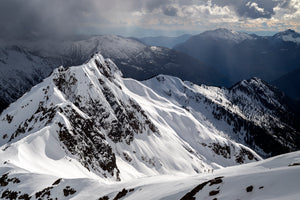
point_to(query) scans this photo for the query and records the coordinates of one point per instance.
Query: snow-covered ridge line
(89, 120)
(250, 112)
(225, 34)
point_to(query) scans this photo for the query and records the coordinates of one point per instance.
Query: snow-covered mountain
(288, 36)
(84, 128)
(25, 63)
(250, 112)
(79, 111)
(139, 61)
(225, 34)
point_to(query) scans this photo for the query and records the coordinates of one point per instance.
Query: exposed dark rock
(190, 195)
(57, 182)
(104, 198)
(68, 191)
(249, 188)
(88, 143)
(294, 164)
(4, 180)
(9, 118)
(122, 193)
(242, 154)
(8, 194)
(24, 197)
(127, 157)
(216, 181)
(214, 192)
(221, 150)
(45, 193)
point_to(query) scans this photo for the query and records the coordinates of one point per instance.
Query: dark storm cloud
(59, 18)
(42, 18)
(170, 11)
(150, 5)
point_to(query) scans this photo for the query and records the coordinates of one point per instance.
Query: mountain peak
(226, 34)
(253, 82)
(286, 32)
(288, 35)
(94, 117)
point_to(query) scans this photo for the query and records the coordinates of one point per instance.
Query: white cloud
(255, 6)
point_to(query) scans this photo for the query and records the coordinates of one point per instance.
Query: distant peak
(226, 34)
(225, 30)
(255, 79)
(286, 32)
(290, 30)
(222, 30)
(252, 81)
(288, 35)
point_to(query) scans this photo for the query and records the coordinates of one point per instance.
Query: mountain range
(220, 57)
(239, 55)
(86, 128)
(25, 63)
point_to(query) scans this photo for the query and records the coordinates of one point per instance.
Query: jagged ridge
(96, 119)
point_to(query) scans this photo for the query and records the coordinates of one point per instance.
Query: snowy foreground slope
(273, 178)
(87, 132)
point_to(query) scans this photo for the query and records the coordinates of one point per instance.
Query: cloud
(61, 18)
(45, 18)
(289, 10)
(170, 11)
(255, 8)
(252, 10)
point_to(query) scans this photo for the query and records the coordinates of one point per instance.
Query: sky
(139, 18)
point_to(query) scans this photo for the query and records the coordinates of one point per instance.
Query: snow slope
(249, 112)
(274, 178)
